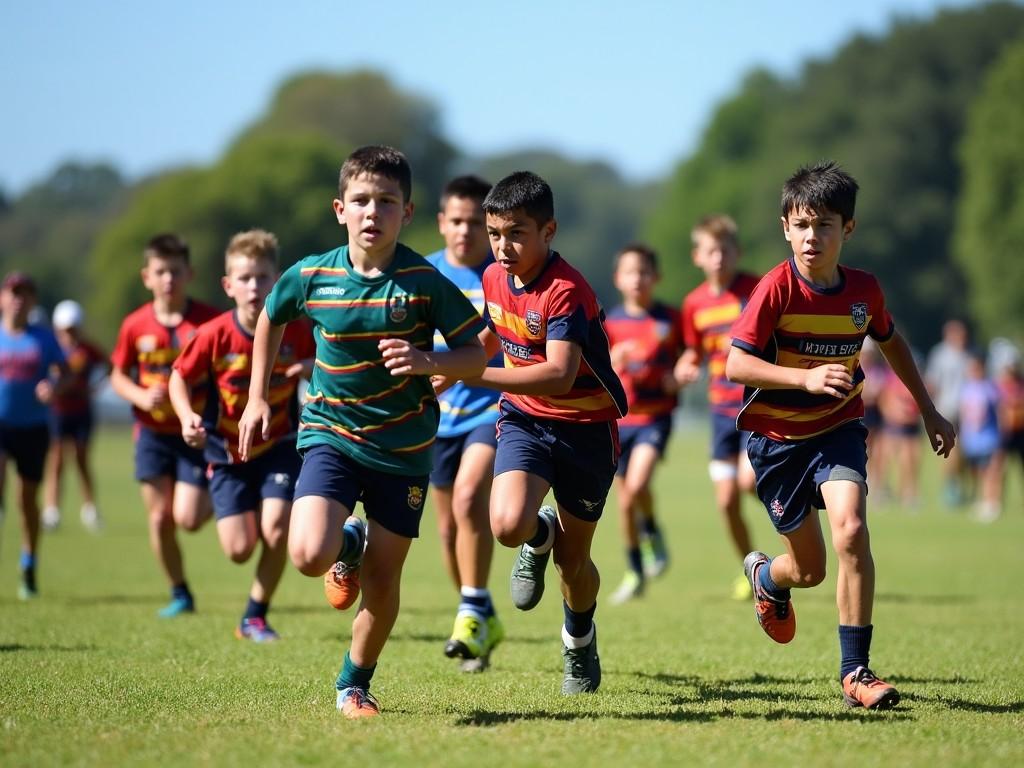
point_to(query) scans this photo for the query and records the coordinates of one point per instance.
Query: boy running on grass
(796, 347)
(171, 474)
(466, 438)
(370, 417)
(559, 405)
(252, 499)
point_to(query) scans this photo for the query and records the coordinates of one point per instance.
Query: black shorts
(790, 474)
(167, 455)
(394, 501)
(726, 440)
(578, 459)
(238, 488)
(28, 447)
(656, 433)
(448, 452)
(74, 426)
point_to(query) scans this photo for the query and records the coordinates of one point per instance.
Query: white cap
(68, 314)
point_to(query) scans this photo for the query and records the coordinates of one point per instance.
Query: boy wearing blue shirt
(466, 437)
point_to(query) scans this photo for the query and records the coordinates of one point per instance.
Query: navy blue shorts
(75, 426)
(904, 430)
(238, 488)
(726, 441)
(448, 452)
(578, 459)
(656, 433)
(1013, 443)
(28, 447)
(158, 455)
(789, 474)
(872, 417)
(394, 501)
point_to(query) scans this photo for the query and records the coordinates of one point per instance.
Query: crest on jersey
(146, 343)
(415, 498)
(533, 320)
(859, 315)
(777, 509)
(399, 307)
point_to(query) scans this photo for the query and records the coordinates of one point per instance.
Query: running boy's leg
(447, 530)
(474, 544)
(634, 496)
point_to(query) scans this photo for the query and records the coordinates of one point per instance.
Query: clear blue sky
(147, 86)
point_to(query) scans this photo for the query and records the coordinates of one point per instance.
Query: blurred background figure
(901, 438)
(1009, 381)
(71, 416)
(980, 439)
(945, 374)
(875, 370)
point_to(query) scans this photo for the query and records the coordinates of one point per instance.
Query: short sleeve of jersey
(453, 314)
(754, 329)
(194, 360)
(567, 318)
(881, 327)
(287, 300)
(124, 356)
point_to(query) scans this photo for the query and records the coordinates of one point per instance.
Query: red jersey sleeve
(691, 337)
(124, 356)
(754, 329)
(881, 327)
(567, 317)
(196, 357)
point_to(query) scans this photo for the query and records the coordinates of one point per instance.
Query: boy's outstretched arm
(828, 379)
(192, 430)
(554, 376)
(403, 359)
(941, 433)
(256, 415)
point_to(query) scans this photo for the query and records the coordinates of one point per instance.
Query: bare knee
(239, 551)
(511, 528)
(308, 559)
(850, 537)
(160, 519)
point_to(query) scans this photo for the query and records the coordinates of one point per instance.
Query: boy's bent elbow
(734, 368)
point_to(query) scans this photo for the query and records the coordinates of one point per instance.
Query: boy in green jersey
(370, 415)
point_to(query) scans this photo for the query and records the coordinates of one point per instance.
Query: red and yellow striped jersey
(791, 322)
(560, 305)
(221, 353)
(654, 346)
(707, 319)
(146, 350)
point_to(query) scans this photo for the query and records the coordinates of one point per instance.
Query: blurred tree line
(928, 117)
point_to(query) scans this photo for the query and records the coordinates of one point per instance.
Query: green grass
(88, 675)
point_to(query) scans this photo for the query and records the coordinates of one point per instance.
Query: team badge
(777, 509)
(859, 315)
(146, 343)
(399, 307)
(415, 498)
(533, 320)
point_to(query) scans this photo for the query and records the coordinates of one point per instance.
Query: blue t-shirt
(25, 360)
(465, 408)
(979, 418)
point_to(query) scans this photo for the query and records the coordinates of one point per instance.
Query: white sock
(548, 543)
(577, 642)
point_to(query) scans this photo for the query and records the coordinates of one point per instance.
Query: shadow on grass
(483, 718)
(49, 648)
(83, 600)
(434, 637)
(965, 705)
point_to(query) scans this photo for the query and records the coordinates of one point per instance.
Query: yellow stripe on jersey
(790, 358)
(235, 362)
(362, 366)
(341, 271)
(335, 337)
(712, 316)
(820, 325)
(514, 324)
(320, 397)
(381, 302)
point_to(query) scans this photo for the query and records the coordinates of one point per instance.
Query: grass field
(89, 676)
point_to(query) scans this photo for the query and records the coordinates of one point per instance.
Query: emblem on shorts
(589, 505)
(399, 307)
(533, 320)
(415, 499)
(281, 479)
(859, 315)
(777, 509)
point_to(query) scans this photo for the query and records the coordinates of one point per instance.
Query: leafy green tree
(990, 222)
(891, 109)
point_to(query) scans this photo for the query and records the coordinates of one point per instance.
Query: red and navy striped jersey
(75, 397)
(707, 319)
(559, 305)
(146, 350)
(221, 354)
(654, 346)
(791, 322)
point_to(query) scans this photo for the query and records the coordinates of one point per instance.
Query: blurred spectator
(945, 375)
(1010, 383)
(901, 436)
(980, 439)
(875, 370)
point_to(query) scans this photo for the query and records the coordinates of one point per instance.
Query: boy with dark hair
(645, 342)
(28, 355)
(708, 312)
(71, 416)
(171, 474)
(370, 415)
(466, 439)
(251, 500)
(796, 348)
(559, 405)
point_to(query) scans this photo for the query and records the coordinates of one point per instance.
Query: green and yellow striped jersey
(354, 403)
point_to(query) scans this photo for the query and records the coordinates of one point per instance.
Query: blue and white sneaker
(177, 607)
(257, 630)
